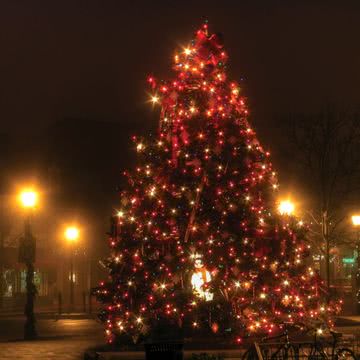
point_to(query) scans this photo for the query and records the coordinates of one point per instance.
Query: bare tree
(328, 150)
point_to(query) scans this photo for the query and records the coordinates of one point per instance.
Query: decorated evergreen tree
(198, 241)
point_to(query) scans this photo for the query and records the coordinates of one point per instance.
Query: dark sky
(89, 59)
(73, 82)
(68, 66)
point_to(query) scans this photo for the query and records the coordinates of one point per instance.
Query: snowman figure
(200, 277)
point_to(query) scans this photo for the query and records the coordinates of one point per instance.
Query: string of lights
(198, 239)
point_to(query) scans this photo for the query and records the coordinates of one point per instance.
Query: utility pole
(356, 283)
(27, 256)
(71, 282)
(326, 240)
(27, 250)
(72, 235)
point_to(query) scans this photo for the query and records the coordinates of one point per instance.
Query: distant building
(52, 274)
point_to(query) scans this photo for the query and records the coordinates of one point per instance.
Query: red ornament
(215, 327)
(151, 80)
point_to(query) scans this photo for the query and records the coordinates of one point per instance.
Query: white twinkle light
(187, 51)
(155, 99)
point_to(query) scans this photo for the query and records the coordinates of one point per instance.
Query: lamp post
(286, 207)
(71, 235)
(356, 223)
(27, 249)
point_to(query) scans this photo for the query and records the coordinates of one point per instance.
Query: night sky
(73, 75)
(89, 59)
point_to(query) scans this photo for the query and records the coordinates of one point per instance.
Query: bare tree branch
(327, 145)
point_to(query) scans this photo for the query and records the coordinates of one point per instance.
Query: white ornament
(200, 277)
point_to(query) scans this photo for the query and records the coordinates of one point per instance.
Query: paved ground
(70, 338)
(62, 339)
(52, 349)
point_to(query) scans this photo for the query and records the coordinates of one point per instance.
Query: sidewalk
(69, 339)
(230, 354)
(353, 320)
(62, 339)
(49, 315)
(67, 349)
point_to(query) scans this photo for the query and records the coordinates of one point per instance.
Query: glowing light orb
(28, 198)
(71, 233)
(286, 207)
(356, 220)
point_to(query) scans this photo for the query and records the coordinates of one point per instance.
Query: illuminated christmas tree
(198, 241)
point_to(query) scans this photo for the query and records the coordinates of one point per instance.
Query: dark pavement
(62, 339)
(70, 338)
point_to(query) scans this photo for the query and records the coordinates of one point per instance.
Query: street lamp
(28, 198)
(286, 207)
(355, 220)
(71, 235)
(27, 249)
